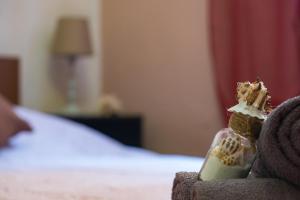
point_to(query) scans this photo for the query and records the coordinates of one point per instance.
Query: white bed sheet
(59, 143)
(64, 160)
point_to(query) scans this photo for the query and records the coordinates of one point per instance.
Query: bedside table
(125, 129)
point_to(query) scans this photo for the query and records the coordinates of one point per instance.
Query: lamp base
(71, 109)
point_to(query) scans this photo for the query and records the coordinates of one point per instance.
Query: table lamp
(72, 40)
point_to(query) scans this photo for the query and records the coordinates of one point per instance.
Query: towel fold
(232, 189)
(279, 144)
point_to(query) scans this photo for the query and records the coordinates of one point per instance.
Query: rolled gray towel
(245, 189)
(279, 144)
(186, 187)
(182, 185)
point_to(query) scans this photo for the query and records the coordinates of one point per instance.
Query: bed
(64, 160)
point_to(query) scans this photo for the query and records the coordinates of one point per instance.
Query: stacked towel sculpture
(275, 174)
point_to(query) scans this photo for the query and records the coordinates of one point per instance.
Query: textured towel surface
(232, 189)
(245, 189)
(279, 144)
(182, 185)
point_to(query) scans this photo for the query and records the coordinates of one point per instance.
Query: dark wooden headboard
(9, 78)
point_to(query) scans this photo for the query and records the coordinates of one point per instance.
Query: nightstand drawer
(127, 129)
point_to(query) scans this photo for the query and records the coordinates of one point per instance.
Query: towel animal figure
(275, 174)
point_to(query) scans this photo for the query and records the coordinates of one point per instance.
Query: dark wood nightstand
(126, 129)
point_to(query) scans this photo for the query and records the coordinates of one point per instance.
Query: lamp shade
(72, 37)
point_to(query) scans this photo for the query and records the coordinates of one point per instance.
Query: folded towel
(246, 189)
(182, 185)
(232, 189)
(279, 144)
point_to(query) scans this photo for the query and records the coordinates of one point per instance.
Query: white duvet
(59, 151)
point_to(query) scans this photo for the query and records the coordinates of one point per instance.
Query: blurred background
(172, 63)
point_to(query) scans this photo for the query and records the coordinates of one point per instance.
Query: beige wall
(26, 31)
(156, 59)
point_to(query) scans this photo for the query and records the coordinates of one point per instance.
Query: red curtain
(255, 38)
